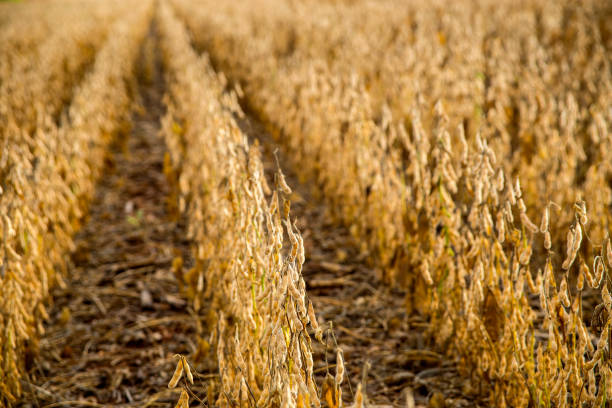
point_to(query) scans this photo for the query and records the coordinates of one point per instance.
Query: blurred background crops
(465, 146)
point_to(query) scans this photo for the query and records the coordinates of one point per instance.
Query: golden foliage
(417, 121)
(48, 171)
(245, 267)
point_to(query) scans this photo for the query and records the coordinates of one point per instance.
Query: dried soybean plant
(259, 315)
(40, 68)
(48, 177)
(430, 139)
(21, 38)
(471, 66)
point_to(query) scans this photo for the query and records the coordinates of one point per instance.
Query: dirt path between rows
(116, 325)
(384, 349)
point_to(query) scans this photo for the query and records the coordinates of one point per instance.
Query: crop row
(48, 175)
(421, 150)
(248, 252)
(42, 66)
